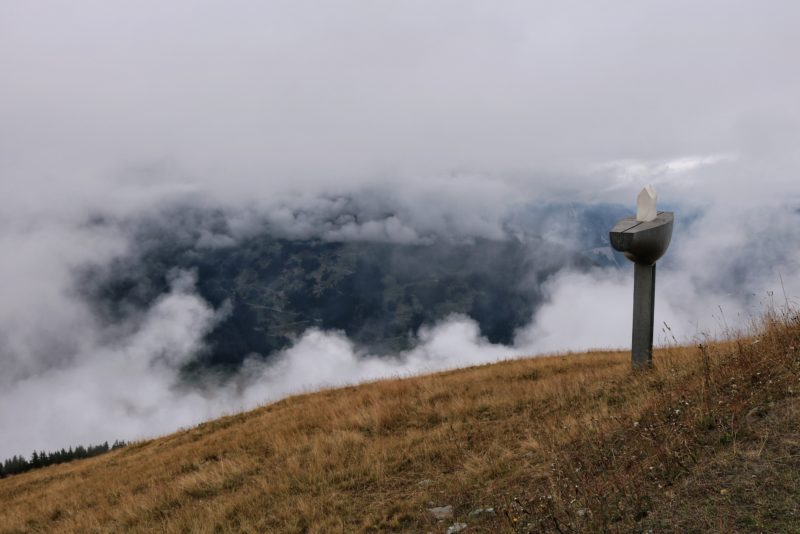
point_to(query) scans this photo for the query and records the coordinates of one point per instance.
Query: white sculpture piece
(646, 205)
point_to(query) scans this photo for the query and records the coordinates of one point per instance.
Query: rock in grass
(442, 512)
(456, 527)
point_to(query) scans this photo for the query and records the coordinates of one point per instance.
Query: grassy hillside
(708, 440)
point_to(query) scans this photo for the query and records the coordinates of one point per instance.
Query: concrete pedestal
(644, 293)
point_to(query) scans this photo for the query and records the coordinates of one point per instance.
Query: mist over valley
(272, 288)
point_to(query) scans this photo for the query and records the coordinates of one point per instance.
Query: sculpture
(643, 239)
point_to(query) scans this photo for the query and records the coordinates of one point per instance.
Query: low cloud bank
(67, 379)
(129, 386)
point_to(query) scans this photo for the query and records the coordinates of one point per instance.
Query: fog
(374, 121)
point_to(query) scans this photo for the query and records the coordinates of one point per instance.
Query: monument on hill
(643, 239)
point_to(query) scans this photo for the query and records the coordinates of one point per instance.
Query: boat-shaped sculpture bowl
(643, 242)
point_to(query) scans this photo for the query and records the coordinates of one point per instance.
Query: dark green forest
(19, 464)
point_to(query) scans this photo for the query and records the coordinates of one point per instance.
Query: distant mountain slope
(378, 293)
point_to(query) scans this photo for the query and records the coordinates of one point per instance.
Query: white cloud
(678, 173)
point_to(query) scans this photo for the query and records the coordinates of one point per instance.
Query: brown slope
(567, 443)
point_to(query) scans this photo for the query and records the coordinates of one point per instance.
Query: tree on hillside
(18, 464)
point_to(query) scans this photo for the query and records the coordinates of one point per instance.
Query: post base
(644, 291)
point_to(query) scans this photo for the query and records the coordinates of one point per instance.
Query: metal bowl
(643, 242)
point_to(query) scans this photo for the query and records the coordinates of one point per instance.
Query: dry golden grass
(565, 443)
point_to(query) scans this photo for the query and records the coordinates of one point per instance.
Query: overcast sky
(456, 110)
(118, 102)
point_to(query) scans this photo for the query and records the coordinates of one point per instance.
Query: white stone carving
(646, 204)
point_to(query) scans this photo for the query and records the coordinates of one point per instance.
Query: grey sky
(100, 98)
